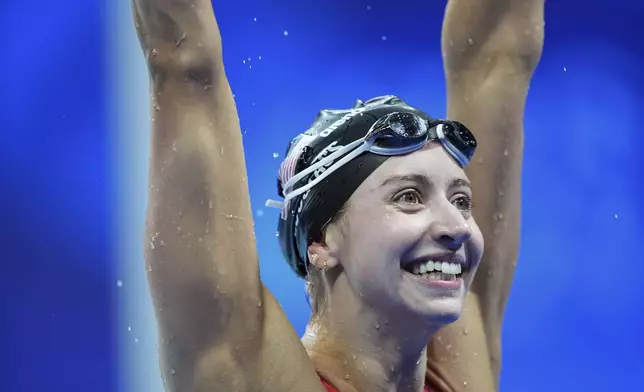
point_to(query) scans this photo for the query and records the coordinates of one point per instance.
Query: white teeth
(437, 267)
(439, 276)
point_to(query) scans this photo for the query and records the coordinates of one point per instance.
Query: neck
(364, 351)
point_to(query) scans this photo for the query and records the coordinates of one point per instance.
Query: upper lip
(449, 257)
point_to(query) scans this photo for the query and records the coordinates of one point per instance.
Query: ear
(321, 257)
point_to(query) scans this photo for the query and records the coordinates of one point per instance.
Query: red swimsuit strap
(329, 387)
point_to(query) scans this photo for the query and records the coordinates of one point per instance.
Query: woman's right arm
(219, 328)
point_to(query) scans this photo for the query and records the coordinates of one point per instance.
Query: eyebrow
(424, 181)
(417, 178)
(459, 183)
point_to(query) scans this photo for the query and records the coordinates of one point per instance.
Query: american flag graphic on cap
(288, 166)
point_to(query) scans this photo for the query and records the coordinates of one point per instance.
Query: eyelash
(468, 200)
(408, 192)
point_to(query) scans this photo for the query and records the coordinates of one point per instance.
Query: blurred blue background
(73, 115)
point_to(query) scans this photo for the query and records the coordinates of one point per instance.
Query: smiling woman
(411, 204)
(377, 217)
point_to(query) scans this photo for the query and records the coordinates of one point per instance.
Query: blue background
(574, 320)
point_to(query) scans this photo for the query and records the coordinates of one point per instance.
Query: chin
(443, 310)
(433, 302)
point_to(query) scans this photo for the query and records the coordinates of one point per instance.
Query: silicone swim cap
(303, 218)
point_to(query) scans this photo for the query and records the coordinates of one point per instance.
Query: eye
(409, 196)
(463, 203)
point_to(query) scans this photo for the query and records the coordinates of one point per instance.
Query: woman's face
(408, 243)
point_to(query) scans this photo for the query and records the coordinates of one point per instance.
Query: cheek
(474, 248)
(476, 242)
(381, 243)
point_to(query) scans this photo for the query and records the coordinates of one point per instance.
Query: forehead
(432, 162)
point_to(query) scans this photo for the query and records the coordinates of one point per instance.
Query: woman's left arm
(490, 51)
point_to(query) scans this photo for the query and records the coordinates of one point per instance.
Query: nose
(450, 229)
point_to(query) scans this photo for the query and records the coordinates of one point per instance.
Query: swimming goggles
(394, 134)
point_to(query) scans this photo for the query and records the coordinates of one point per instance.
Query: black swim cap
(303, 218)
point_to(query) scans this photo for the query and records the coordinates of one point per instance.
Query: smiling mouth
(436, 270)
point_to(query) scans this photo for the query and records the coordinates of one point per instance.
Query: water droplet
(136, 340)
(276, 155)
(465, 331)
(470, 41)
(615, 216)
(285, 32)
(465, 383)
(173, 372)
(119, 283)
(384, 37)
(259, 57)
(243, 61)
(368, 8)
(260, 213)
(565, 69)
(377, 326)
(505, 152)
(346, 377)
(254, 19)
(181, 39)
(449, 347)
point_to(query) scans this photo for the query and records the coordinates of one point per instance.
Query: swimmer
(377, 215)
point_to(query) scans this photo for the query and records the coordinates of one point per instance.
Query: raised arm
(220, 330)
(490, 49)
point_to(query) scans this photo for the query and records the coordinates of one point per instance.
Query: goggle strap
(357, 151)
(270, 203)
(341, 151)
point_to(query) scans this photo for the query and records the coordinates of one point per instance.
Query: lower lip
(444, 284)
